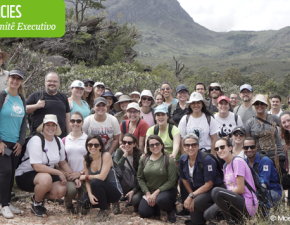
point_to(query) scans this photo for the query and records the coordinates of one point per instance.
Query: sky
(226, 15)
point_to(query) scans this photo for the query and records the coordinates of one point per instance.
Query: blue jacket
(267, 172)
(199, 179)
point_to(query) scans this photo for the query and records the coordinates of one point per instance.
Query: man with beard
(245, 110)
(214, 92)
(49, 101)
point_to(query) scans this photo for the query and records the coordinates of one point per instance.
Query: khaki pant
(72, 191)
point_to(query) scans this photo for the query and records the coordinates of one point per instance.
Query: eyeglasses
(193, 145)
(251, 147)
(216, 89)
(259, 103)
(17, 78)
(183, 92)
(222, 147)
(233, 98)
(101, 87)
(163, 89)
(77, 121)
(238, 134)
(132, 112)
(156, 144)
(52, 81)
(148, 98)
(96, 145)
(88, 85)
(127, 142)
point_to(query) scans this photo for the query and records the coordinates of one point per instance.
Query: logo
(17, 108)
(272, 218)
(209, 167)
(265, 168)
(80, 84)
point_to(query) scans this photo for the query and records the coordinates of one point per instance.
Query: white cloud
(226, 15)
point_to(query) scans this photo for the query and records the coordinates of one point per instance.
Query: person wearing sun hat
(75, 100)
(121, 106)
(37, 173)
(3, 73)
(146, 102)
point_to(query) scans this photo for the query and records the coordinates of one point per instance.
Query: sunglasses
(238, 134)
(259, 103)
(156, 144)
(127, 142)
(77, 121)
(88, 85)
(101, 87)
(216, 89)
(96, 145)
(222, 147)
(193, 145)
(163, 89)
(148, 98)
(251, 147)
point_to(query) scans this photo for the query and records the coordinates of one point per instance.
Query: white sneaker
(14, 209)
(6, 212)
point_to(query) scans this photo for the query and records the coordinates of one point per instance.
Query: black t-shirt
(54, 104)
(178, 113)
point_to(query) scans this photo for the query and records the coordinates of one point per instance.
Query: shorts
(26, 181)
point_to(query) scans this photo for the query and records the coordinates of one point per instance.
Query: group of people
(205, 149)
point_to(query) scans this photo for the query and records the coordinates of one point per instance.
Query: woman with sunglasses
(12, 137)
(75, 149)
(237, 201)
(88, 83)
(75, 100)
(146, 111)
(166, 91)
(198, 182)
(98, 91)
(134, 125)
(129, 153)
(239, 135)
(101, 180)
(157, 182)
(264, 129)
(159, 99)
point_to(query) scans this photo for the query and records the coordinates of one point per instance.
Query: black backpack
(156, 130)
(124, 126)
(21, 160)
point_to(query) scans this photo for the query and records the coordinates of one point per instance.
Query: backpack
(206, 115)
(172, 110)
(124, 128)
(156, 130)
(261, 193)
(42, 146)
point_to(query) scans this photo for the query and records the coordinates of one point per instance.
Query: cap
(110, 94)
(260, 98)
(133, 105)
(241, 129)
(135, 93)
(100, 100)
(118, 94)
(50, 118)
(77, 83)
(195, 97)
(88, 80)
(99, 83)
(181, 87)
(16, 72)
(246, 86)
(223, 97)
(161, 108)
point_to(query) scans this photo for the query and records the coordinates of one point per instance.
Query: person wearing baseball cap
(238, 136)
(75, 100)
(227, 120)
(214, 91)
(103, 124)
(98, 91)
(245, 110)
(3, 73)
(88, 90)
(135, 95)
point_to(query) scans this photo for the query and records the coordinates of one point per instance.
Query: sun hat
(16, 72)
(260, 98)
(195, 97)
(246, 86)
(181, 87)
(118, 94)
(223, 97)
(110, 94)
(99, 83)
(88, 80)
(49, 118)
(133, 105)
(100, 100)
(5, 55)
(240, 128)
(122, 98)
(215, 85)
(146, 93)
(135, 93)
(161, 108)
(77, 83)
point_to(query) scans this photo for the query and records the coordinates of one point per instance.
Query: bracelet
(87, 177)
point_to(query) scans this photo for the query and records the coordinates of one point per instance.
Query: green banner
(32, 18)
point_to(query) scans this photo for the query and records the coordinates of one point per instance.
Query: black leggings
(7, 171)
(104, 192)
(228, 206)
(164, 201)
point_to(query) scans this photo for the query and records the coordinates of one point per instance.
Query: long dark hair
(169, 120)
(156, 137)
(136, 151)
(285, 134)
(87, 157)
(204, 109)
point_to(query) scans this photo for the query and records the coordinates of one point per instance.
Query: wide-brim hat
(260, 98)
(5, 55)
(122, 98)
(146, 93)
(215, 85)
(50, 118)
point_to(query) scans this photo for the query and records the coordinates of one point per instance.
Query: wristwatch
(192, 195)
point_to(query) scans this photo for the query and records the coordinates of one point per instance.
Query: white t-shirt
(107, 129)
(37, 156)
(75, 151)
(199, 127)
(227, 125)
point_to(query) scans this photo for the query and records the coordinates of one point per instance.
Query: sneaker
(39, 210)
(183, 213)
(123, 199)
(102, 215)
(188, 222)
(116, 208)
(171, 217)
(33, 200)
(14, 209)
(6, 212)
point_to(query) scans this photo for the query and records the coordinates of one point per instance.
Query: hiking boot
(103, 215)
(6, 212)
(14, 209)
(183, 213)
(171, 217)
(116, 208)
(39, 210)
